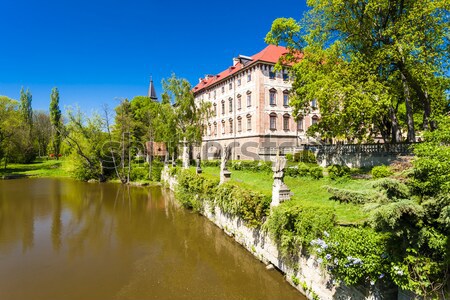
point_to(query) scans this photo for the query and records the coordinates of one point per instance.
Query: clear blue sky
(98, 51)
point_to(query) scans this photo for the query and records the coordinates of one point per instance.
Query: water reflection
(73, 240)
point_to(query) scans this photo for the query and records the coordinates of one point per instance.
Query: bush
(291, 171)
(381, 172)
(337, 171)
(316, 172)
(394, 189)
(303, 170)
(293, 226)
(289, 157)
(252, 165)
(139, 172)
(306, 156)
(211, 163)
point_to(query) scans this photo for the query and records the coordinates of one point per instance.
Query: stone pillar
(185, 155)
(280, 191)
(225, 175)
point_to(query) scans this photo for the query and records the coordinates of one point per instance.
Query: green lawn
(39, 168)
(306, 190)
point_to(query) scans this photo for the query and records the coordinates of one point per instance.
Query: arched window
(314, 119)
(249, 98)
(239, 124)
(223, 107)
(230, 104)
(238, 101)
(285, 98)
(286, 120)
(273, 121)
(273, 96)
(215, 109)
(215, 128)
(231, 125)
(223, 126)
(300, 124)
(249, 122)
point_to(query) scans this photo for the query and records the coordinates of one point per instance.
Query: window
(286, 98)
(314, 104)
(209, 129)
(215, 128)
(230, 104)
(239, 82)
(239, 124)
(273, 96)
(273, 121)
(223, 126)
(249, 99)
(215, 110)
(314, 119)
(249, 122)
(238, 101)
(231, 125)
(285, 76)
(286, 119)
(230, 86)
(214, 94)
(223, 107)
(209, 95)
(300, 124)
(271, 74)
(223, 89)
(249, 77)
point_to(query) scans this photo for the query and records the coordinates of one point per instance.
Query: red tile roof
(270, 54)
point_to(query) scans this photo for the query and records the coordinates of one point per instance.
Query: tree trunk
(409, 111)
(395, 130)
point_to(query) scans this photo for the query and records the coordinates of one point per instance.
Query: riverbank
(39, 168)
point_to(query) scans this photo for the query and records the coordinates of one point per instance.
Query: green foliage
(354, 255)
(432, 166)
(306, 156)
(303, 170)
(139, 172)
(211, 163)
(316, 172)
(393, 189)
(291, 171)
(194, 190)
(350, 196)
(252, 165)
(381, 172)
(337, 171)
(251, 206)
(294, 226)
(56, 120)
(289, 157)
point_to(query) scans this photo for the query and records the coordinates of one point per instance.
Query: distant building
(251, 112)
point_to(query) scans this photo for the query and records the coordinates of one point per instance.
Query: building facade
(250, 108)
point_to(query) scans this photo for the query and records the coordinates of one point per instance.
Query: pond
(65, 239)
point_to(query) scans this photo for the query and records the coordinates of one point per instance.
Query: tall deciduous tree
(364, 61)
(55, 118)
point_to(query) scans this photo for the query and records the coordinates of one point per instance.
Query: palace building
(250, 104)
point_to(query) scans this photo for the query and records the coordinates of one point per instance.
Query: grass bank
(39, 168)
(306, 190)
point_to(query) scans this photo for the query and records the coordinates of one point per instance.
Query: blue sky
(96, 52)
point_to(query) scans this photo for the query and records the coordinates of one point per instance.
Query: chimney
(235, 61)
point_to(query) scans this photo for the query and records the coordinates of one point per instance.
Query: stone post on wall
(280, 191)
(224, 173)
(198, 170)
(185, 154)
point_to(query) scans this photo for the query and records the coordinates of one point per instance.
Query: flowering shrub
(353, 255)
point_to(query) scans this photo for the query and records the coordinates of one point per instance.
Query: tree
(23, 138)
(364, 61)
(9, 124)
(42, 128)
(188, 116)
(26, 110)
(55, 118)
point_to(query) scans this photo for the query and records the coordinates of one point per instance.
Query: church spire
(151, 91)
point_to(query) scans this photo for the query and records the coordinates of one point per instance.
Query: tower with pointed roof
(151, 91)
